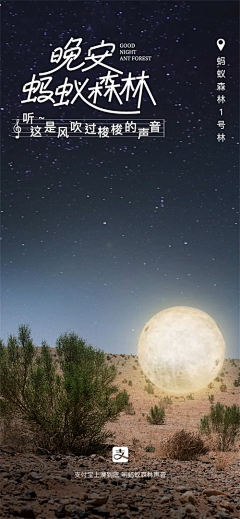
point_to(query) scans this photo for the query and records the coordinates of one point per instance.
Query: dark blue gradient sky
(63, 268)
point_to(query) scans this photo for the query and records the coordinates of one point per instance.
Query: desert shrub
(134, 367)
(211, 398)
(233, 363)
(149, 389)
(217, 380)
(135, 443)
(184, 445)
(130, 382)
(143, 414)
(223, 460)
(223, 388)
(236, 382)
(167, 400)
(190, 396)
(124, 381)
(222, 374)
(157, 415)
(64, 412)
(15, 434)
(223, 420)
(210, 386)
(108, 357)
(150, 448)
(129, 409)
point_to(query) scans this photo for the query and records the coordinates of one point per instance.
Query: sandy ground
(183, 413)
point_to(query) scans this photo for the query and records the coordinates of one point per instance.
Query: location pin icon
(221, 43)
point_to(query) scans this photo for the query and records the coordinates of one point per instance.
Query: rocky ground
(149, 485)
(45, 487)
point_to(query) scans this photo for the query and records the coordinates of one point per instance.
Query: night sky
(101, 234)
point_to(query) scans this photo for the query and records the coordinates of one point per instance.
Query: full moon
(181, 349)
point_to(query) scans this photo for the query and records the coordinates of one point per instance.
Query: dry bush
(135, 445)
(15, 434)
(165, 402)
(129, 409)
(213, 442)
(184, 445)
(223, 460)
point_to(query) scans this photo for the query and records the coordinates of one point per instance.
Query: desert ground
(149, 485)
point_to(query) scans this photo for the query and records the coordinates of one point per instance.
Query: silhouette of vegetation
(65, 402)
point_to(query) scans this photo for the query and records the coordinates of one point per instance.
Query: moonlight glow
(181, 349)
